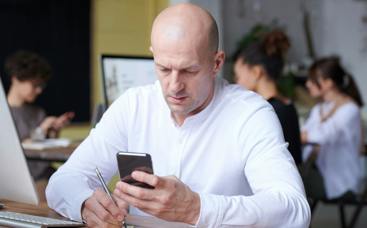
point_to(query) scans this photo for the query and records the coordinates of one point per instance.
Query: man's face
(186, 75)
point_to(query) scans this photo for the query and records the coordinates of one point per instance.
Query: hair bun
(276, 42)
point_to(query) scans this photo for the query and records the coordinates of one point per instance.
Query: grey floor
(327, 216)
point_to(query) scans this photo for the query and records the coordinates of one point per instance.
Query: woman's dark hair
(25, 65)
(330, 67)
(269, 52)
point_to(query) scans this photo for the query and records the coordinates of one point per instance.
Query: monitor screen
(120, 73)
(16, 182)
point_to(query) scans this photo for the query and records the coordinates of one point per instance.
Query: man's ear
(218, 61)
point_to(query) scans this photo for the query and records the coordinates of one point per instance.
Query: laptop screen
(16, 183)
(120, 73)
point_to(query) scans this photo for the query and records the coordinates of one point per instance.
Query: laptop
(16, 182)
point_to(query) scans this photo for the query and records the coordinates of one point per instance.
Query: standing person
(257, 68)
(29, 74)
(335, 126)
(218, 153)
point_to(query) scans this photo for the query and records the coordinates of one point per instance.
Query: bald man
(218, 151)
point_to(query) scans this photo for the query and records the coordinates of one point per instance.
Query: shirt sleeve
(278, 198)
(76, 180)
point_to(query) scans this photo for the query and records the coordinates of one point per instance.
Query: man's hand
(170, 199)
(100, 210)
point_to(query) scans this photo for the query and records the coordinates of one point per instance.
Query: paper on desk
(138, 221)
(46, 143)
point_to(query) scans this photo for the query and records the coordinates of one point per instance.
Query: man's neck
(179, 120)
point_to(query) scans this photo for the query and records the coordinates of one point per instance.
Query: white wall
(240, 15)
(342, 31)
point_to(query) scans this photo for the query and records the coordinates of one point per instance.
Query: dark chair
(361, 202)
(348, 199)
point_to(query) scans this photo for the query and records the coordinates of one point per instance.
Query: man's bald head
(186, 22)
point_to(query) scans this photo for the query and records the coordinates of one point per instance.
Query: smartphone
(128, 162)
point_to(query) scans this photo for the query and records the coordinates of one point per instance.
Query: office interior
(316, 28)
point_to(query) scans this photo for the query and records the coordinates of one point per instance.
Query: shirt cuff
(211, 213)
(76, 213)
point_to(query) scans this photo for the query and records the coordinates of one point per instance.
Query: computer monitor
(16, 182)
(120, 73)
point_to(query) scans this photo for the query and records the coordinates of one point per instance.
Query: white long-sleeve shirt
(340, 161)
(232, 153)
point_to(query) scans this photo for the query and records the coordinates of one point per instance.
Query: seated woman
(335, 126)
(28, 74)
(258, 67)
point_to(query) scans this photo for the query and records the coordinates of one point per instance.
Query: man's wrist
(194, 209)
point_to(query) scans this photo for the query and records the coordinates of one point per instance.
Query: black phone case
(129, 162)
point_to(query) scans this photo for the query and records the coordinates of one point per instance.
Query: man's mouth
(176, 99)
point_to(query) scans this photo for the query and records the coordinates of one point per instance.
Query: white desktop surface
(139, 221)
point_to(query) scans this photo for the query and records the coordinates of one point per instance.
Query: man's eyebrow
(160, 65)
(192, 67)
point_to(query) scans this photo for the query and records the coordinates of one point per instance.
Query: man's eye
(190, 72)
(164, 70)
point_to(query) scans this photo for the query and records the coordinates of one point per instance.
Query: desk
(134, 221)
(58, 154)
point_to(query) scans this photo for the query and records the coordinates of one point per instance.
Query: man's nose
(176, 83)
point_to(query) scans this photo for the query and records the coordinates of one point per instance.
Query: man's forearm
(264, 209)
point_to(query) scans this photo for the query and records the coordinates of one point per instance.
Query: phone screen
(129, 162)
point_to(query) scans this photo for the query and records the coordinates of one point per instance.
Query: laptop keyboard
(18, 218)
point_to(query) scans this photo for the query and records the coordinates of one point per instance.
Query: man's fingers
(92, 220)
(150, 179)
(131, 200)
(109, 205)
(137, 192)
(123, 206)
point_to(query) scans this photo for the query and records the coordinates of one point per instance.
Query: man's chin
(177, 109)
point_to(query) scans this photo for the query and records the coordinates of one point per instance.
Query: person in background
(258, 67)
(29, 73)
(334, 125)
